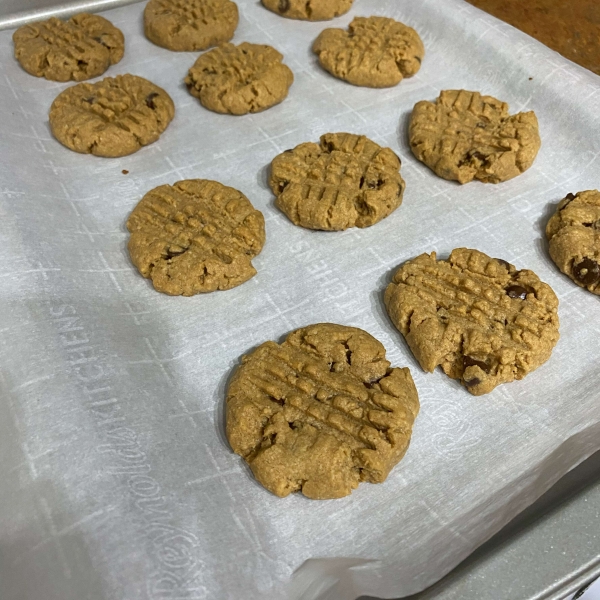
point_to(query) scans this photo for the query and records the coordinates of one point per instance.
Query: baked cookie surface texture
(464, 136)
(195, 236)
(374, 52)
(481, 320)
(189, 25)
(75, 50)
(240, 79)
(320, 412)
(573, 234)
(309, 10)
(344, 181)
(113, 117)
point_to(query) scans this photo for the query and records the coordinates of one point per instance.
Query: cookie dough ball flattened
(574, 236)
(311, 10)
(240, 79)
(80, 48)
(320, 412)
(113, 117)
(344, 181)
(189, 25)
(480, 319)
(195, 236)
(464, 136)
(375, 52)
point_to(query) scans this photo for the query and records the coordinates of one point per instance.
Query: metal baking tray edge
(565, 510)
(38, 11)
(552, 541)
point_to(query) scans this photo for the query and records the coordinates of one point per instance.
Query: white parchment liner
(116, 480)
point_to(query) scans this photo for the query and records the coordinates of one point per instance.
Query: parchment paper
(116, 480)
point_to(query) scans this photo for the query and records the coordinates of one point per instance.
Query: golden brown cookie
(80, 48)
(344, 181)
(375, 52)
(464, 136)
(113, 117)
(480, 319)
(320, 412)
(195, 236)
(189, 25)
(573, 233)
(240, 79)
(309, 10)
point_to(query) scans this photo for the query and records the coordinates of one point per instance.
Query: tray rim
(64, 9)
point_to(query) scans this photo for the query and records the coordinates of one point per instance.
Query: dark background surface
(571, 27)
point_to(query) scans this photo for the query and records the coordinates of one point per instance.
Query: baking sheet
(14, 13)
(117, 478)
(547, 552)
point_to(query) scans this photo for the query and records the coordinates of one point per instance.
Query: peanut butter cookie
(480, 319)
(464, 136)
(113, 117)
(81, 48)
(574, 237)
(375, 52)
(320, 412)
(189, 25)
(195, 236)
(240, 79)
(309, 10)
(344, 181)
